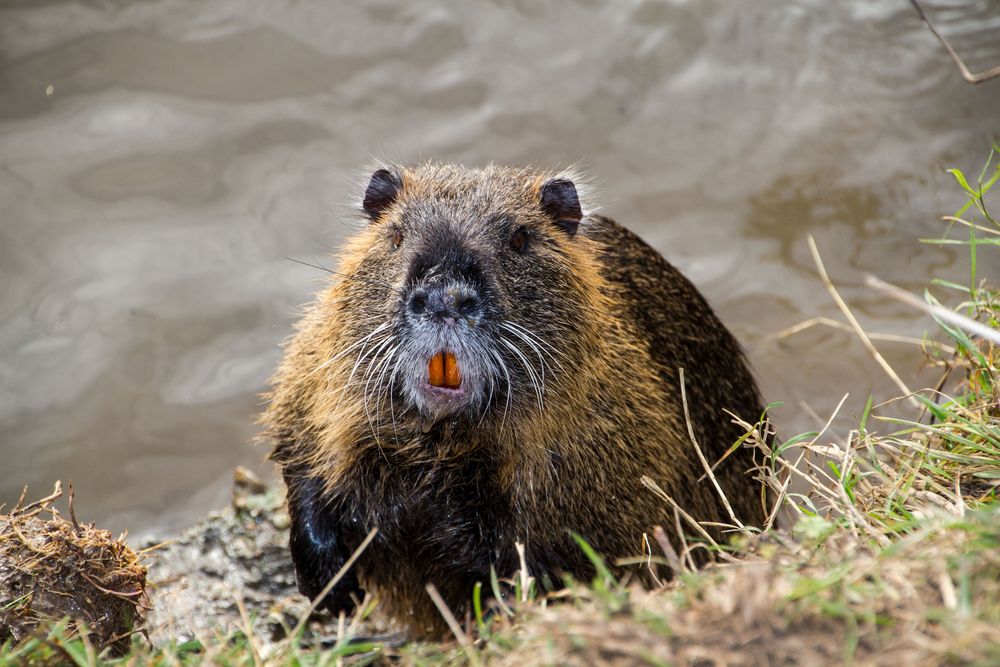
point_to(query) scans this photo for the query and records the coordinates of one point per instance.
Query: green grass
(887, 551)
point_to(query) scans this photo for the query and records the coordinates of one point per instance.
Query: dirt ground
(231, 569)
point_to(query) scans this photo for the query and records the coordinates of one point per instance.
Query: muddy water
(160, 161)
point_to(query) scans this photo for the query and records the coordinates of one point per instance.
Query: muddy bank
(231, 569)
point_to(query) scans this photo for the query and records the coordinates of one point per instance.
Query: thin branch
(979, 77)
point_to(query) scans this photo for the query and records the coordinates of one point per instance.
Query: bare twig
(72, 512)
(17, 505)
(979, 77)
(41, 503)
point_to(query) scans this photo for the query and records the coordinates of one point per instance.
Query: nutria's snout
(443, 312)
(449, 373)
(444, 304)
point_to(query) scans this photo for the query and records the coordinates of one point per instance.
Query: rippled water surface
(160, 161)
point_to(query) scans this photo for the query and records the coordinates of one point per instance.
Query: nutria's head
(469, 294)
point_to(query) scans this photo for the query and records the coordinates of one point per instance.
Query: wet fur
(611, 322)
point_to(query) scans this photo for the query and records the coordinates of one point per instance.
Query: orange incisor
(442, 371)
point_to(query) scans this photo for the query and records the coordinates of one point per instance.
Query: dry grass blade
(649, 483)
(523, 576)
(949, 316)
(821, 320)
(857, 326)
(314, 604)
(970, 225)
(701, 455)
(668, 550)
(248, 631)
(453, 625)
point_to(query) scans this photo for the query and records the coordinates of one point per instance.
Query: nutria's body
(503, 269)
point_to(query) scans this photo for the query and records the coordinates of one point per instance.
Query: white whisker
(536, 349)
(510, 389)
(338, 355)
(549, 349)
(392, 405)
(532, 376)
(373, 368)
(379, 384)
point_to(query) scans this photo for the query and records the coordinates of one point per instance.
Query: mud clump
(234, 558)
(52, 568)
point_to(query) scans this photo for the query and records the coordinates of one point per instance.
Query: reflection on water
(160, 161)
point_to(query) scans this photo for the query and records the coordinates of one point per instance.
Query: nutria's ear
(381, 192)
(560, 202)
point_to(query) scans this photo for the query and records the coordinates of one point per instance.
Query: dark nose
(444, 303)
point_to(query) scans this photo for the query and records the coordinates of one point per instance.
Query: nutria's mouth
(443, 372)
(443, 391)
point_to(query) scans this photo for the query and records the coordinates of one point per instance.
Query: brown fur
(612, 409)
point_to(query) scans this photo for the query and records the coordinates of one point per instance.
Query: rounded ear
(560, 202)
(381, 192)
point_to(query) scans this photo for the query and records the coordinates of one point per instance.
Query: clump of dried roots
(52, 568)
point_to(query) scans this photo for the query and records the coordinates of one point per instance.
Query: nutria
(493, 364)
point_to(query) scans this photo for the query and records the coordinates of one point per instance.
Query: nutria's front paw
(317, 546)
(343, 597)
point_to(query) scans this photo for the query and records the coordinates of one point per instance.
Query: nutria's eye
(397, 237)
(519, 241)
